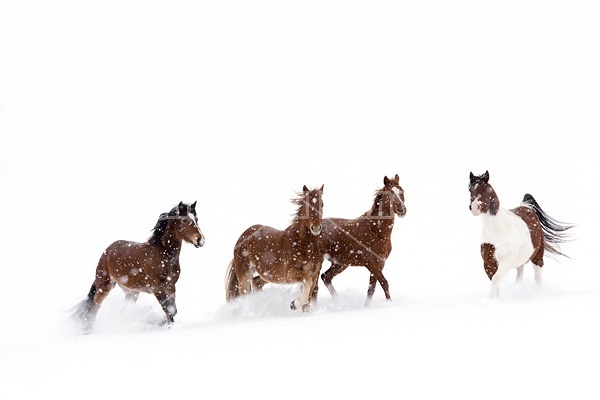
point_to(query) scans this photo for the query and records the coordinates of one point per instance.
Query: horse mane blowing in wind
(511, 238)
(277, 256)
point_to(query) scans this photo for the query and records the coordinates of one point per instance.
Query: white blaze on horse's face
(402, 210)
(314, 212)
(476, 205)
(200, 239)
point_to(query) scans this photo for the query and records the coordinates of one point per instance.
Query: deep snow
(113, 112)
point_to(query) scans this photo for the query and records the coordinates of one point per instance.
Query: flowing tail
(555, 232)
(82, 312)
(231, 283)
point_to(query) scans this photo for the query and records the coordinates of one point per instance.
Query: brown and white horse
(151, 267)
(511, 238)
(366, 240)
(283, 257)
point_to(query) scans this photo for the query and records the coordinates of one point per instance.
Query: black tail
(82, 311)
(555, 232)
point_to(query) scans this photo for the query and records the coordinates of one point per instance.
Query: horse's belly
(512, 241)
(360, 254)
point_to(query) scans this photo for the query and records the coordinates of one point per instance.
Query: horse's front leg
(501, 273)
(131, 296)
(258, 283)
(308, 285)
(166, 299)
(315, 292)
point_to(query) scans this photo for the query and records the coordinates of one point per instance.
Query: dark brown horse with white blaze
(366, 240)
(150, 267)
(511, 238)
(283, 257)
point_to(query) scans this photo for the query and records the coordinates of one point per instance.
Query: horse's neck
(494, 219)
(299, 230)
(170, 244)
(381, 210)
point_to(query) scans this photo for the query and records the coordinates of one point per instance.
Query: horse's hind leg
(538, 262)
(244, 272)
(88, 308)
(331, 273)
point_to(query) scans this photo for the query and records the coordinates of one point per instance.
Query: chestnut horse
(151, 267)
(364, 241)
(511, 238)
(283, 257)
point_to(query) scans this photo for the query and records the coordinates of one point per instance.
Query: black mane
(158, 232)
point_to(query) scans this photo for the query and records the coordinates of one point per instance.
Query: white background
(111, 112)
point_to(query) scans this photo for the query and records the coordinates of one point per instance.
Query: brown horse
(151, 267)
(283, 257)
(511, 238)
(364, 241)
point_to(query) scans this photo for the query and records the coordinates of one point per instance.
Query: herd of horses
(262, 254)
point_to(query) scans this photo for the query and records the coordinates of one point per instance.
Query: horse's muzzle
(316, 230)
(474, 207)
(199, 242)
(402, 212)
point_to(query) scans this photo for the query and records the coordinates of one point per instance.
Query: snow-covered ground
(113, 112)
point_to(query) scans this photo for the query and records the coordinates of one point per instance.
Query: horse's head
(186, 221)
(311, 209)
(483, 196)
(392, 186)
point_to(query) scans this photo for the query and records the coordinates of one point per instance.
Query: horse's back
(256, 239)
(122, 247)
(335, 229)
(123, 253)
(257, 232)
(353, 242)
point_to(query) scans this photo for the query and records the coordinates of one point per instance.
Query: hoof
(293, 305)
(86, 330)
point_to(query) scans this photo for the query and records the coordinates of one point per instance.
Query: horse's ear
(305, 189)
(471, 177)
(386, 180)
(194, 206)
(322, 187)
(486, 176)
(397, 178)
(182, 208)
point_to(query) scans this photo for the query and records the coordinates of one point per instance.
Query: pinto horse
(364, 241)
(283, 257)
(151, 267)
(511, 238)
